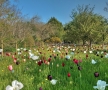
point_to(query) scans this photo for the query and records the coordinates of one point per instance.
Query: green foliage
(54, 40)
(57, 27)
(29, 40)
(9, 49)
(85, 25)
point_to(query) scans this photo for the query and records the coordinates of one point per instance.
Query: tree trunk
(102, 44)
(83, 42)
(103, 37)
(90, 44)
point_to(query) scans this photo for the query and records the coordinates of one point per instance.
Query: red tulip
(44, 61)
(63, 64)
(39, 63)
(15, 58)
(8, 54)
(68, 74)
(49, 59)
(86, 55)
(75, 61)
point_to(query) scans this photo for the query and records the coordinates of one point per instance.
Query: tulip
(79, 68)
(49, 77)
(13, 56)
(100, 85)
(44, 61)
(39, 70)
(67, 57)
(39, 63)
(49, 59)
(16, 85)
(8, 54)
(10, 67)
(75, 61)
(97, 54)
(86, 55)
(101, 56)
(14, 61)
(68, 74)
(84, 51)
(96, 74)
(17, 63)
(53, 81)
(24, 60)
(57, 65)
(93, 61)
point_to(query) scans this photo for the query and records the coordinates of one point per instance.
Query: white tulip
(35, 57)
(93, 61)
(100, 85)
(53, 81)
(84, 51)
(15, 85)
(90, 52)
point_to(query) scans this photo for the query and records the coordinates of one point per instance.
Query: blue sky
(61, 9)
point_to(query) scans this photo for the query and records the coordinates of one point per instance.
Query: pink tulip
(13, 56)
(14, 61)
(10, 67)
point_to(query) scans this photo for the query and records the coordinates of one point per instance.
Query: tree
(71, 33)
(57, 28)
(85, 24)
(39, 30)
(103, 31)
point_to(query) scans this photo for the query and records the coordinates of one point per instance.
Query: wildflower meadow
(54, 68)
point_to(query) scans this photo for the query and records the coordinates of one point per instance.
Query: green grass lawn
(34, 75)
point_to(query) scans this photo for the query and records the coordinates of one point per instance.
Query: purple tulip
(96, 74)
(79, 68)
(17, 63)
(49, 77)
